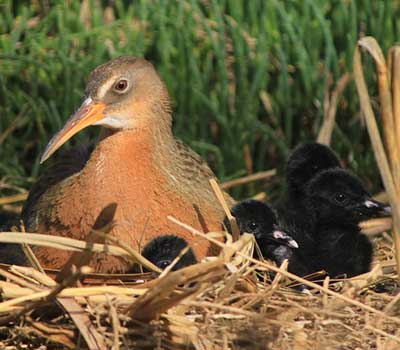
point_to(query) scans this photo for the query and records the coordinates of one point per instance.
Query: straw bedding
(229, 302)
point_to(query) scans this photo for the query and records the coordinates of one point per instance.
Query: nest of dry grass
(228, 302)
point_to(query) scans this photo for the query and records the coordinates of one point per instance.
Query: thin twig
(231, 218)
(262, 175)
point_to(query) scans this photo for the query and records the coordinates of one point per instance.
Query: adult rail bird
(137, 164)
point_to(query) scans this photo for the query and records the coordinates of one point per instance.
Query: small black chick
(257, 218)
(306, 161)
(337, 202)
(162, 251)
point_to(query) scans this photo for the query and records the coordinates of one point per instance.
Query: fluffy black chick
(305, 162)
(162, 251)
(257, 218)
(337, 202)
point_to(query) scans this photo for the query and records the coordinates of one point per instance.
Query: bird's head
(305, 162)
(257, 218)
(339, 197)
(124, 93)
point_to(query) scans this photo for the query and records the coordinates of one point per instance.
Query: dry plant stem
(262, 175)
(278, 277)
(32, 257)
(375, 226)
(46, 296)
(383, 333)
(221, 199)
(325, 297)
(290, 275)
(325, 133)
(57, 242)
(20, 281)
(38, 276)
(133, 254)
(395, 54)
(160, 297)
(29, 293)
(385, 98)
(12, 199)
(175, 261)
(79, 259)
(29, 253)
(387, 110)
(115, 323)
(379, 151)
(94, 340)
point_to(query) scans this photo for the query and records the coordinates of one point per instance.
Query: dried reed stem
(262, 175)
(395, 54)
(373, 131)
(12, 199)
(325, 133)
(222, 201)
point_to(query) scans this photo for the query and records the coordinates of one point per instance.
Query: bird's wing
(195, 169)
(68, 163)
(193, 163)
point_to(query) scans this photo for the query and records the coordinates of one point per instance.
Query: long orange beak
(87, 114)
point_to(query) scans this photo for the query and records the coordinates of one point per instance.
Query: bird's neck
(152, 145)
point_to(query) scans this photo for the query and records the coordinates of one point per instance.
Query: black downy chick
(337, 202)
(306, 161)
(257, 218)
(162, 251)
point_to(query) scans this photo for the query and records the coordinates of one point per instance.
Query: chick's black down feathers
(305, 162)
(337, 202)
(163, 250)
(257, 218)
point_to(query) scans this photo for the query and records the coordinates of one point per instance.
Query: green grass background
(216, 57)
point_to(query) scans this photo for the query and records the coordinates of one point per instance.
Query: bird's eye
(121, 85)
(252, 226)
(163, 264)
(340, 198)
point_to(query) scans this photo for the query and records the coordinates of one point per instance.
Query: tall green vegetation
(242, 74)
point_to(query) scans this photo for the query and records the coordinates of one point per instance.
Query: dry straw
(387, 157)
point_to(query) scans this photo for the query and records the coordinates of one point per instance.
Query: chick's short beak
(284, 238)
(88, 114)
(378, 206)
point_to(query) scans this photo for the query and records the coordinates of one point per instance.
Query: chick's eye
(121, 85)
(163, 264)
(252, 226)
(340, 198)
